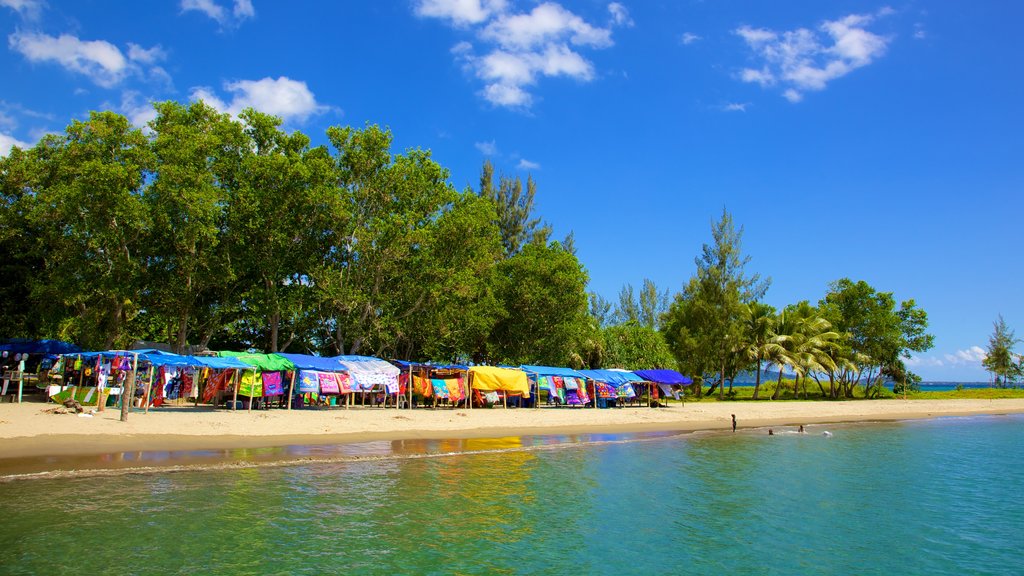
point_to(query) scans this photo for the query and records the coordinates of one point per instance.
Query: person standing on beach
(733, 422)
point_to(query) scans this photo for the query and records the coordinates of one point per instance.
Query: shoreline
(33, 440)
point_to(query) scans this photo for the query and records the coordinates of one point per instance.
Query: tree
(877, 333)
(514, 207)
(600, 310)
(628, 310)
(93, 227)
(198, 152)
(758, 337)
(999, 358)
(542, 290)
(703, 325)
(637, 347)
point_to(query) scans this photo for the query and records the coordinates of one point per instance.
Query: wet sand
(30, 431)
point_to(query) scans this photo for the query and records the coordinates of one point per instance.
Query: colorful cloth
(309, 382)
(272, 384)
(440, 388)
(252, 385)
(328, 383)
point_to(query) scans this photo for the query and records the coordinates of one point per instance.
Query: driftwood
(73, 404)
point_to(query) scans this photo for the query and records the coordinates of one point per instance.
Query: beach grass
(813, 393)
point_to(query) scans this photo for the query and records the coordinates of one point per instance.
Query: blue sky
(863, 139)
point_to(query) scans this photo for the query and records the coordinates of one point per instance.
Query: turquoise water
(943, 496)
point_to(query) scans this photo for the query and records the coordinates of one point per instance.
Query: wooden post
(234, 398)
(21, 381)
(291, 387)
(408, 388)
(129, 382)
(251, 386)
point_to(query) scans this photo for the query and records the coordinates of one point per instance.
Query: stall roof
(21, 346)
(405, 364)
(308, 362)
(268, 362)
(551, 371)
(494, 378)
(220, 363)
(614, 377)
(663, 376)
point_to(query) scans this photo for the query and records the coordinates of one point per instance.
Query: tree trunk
(721, 379)
(796, 386)
(778, 385)
(757, 380)
(182, 337)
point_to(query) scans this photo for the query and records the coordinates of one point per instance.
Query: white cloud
(460, 12)
(689, 38)
(101, 61)
(620, 16)
(243, 10)
(972, 355)
(152, 55)
(521, 47)
(735, 107)
(27, 9)
(138, 110)
(969, 357)
(803, 60)
(7, 142)
(487, 148)
(525, 164)
(284, 97)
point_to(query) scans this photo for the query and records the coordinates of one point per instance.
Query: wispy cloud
(27, 9)
(803, 60)
(7, 142)
(689, 38)
(735, 107)
(241, 10)
(100, 61)
(518, 48)
(525, 164)
(292, 100)
(972, 356)
(487, 148)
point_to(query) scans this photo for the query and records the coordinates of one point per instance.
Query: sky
(869, 140)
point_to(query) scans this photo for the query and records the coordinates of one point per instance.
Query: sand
(30, 430)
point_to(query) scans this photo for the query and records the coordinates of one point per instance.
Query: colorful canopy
(219, 363)
(494, 378)
(613, 377)
(663, 376)
(267, 362)
(21, 346)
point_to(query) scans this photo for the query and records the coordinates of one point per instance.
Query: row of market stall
(243, 380)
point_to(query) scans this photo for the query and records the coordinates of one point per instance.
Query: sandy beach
(31, 430)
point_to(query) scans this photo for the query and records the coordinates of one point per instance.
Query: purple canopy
(663, 376)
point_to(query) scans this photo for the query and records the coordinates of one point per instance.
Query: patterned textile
(372, 373)
(422, 386)
(217, 382)
(272, 385)
(251, 385)
(456, 390)
(626, 391)
(606, 391)
(328, 383)
(309, 382)
(440, 388)
(559, 386)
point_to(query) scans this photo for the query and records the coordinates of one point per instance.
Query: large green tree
(703, 326)
(999, 357)
(514, 210)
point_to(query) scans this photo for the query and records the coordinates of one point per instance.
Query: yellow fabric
(493, 378)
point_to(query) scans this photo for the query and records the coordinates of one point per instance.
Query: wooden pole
(251, 386)
(21, 382)
(408, 388)
(129, 382)
(234, 398)
(291, 387)
(149, 385)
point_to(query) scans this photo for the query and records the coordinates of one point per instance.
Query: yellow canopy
(493, 378)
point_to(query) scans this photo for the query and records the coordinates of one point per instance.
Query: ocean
(939, 496)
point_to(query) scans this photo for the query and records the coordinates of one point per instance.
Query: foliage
(999, 358)
(636, 347)
(514, 210)
(703, 326)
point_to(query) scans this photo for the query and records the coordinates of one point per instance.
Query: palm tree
(805, 339)
(758, 336)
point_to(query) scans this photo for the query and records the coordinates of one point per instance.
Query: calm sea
(942, 496)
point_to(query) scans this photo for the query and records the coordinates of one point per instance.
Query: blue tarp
(663, 376)
(18, 346)
(307, 362)
(613, 377)
(551, 371)
(219, 363)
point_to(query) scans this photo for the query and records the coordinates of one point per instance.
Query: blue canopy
(307, 362)
(551, 371)
(613, 377)
(220, 363)
(21, 346)
(663, 376)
